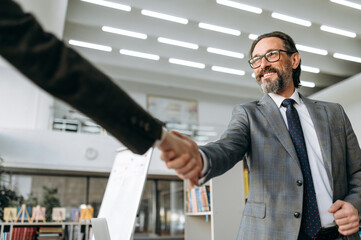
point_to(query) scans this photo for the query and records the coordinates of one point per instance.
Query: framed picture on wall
(173, 110)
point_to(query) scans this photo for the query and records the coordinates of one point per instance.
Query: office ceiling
(85, 20)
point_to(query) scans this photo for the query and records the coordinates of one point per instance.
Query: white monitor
(100, 229)
(123, 193)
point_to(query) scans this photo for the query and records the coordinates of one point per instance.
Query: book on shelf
(22, 233)
(205, 196)
(51, 230)
(198, 199)
(194, 201)
(246, 183)
(5, 236)
(50, 233)
(187, 202)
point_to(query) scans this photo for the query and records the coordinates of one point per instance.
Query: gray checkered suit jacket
(258, 131)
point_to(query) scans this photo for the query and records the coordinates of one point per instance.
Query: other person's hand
(181, 154)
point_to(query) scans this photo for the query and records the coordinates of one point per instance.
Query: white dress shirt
(321, 182)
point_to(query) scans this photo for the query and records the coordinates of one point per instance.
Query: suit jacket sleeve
(353, 165)
(62, 72)
(230, 149)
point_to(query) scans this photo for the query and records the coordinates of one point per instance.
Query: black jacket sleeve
(62, 72)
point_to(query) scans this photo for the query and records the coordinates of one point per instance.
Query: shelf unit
(227, 203)
(8, 227)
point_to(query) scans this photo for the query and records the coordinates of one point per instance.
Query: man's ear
(296, 58)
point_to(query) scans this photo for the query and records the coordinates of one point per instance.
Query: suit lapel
(271, 112)
(319, 118)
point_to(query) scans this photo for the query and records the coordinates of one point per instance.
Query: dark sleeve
(62, 72)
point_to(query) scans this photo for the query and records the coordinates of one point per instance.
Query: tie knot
(288, 102)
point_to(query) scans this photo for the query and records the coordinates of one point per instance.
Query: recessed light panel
(139, 54)
(164, 16)
(240, 6)
(186, 63)
(219, 29)
(109, 4)
(90, 45)
(291, 19)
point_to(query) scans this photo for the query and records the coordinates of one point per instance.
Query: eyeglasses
(271, 56)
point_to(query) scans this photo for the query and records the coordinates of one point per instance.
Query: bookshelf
(227, 203)
(73, 230)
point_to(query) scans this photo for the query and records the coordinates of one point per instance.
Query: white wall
(213, 110)
(39, 149)
(23, 105)
(51, 14)
(347, 93)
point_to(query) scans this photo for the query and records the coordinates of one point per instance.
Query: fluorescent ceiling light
(252, 36)
(347, 57)
(311, 49)
(310, 69)
(253, 75)
(228, 70)
(90, 45)
(291, 19)
(139, 54)
(347, 4)
(308, 84)
(338, 31)
(240, 6)
(225, 52)
(178, 43)
(110, 4)
(124, 32)
(219, 29)
(187, 63)
(164, 16)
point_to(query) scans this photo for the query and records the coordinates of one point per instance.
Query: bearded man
(303, 156)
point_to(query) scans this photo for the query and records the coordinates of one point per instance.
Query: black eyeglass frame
(264, 55)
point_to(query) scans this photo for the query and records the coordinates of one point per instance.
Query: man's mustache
(267, 69)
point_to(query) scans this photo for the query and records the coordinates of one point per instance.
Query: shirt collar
(278, 99)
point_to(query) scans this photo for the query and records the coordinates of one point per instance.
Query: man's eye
(270, 54)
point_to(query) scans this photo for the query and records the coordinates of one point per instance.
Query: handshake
(181, 153)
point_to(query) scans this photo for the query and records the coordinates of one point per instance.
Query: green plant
(50, 200)
(8, 198)
(1, 170)
(31, 201)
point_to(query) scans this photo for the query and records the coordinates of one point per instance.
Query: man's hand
(346, 217)
(181, 154)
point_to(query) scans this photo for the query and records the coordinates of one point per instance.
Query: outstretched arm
(62, 72)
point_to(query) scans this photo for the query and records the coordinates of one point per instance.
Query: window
(160, 213)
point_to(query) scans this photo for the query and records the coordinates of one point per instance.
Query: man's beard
(279, 84)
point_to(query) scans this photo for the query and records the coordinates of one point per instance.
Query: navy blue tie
(310, 222)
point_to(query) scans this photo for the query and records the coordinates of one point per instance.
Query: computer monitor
(123, 193)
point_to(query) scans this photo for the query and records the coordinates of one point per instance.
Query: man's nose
(264, 62)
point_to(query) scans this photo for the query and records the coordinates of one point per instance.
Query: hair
(288, 44)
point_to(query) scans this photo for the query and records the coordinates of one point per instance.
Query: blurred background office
(183, 60)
